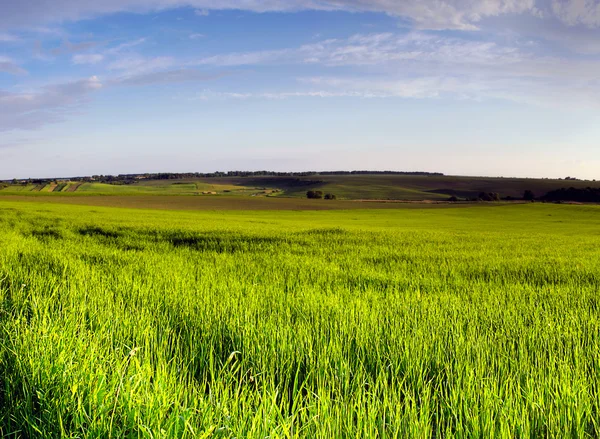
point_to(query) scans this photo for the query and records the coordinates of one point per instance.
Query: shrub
(489, 196)
(528, 195)
(587, 195)
(314, 194)
(330, 196)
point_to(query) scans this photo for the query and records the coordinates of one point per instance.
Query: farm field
(350, 187)
(174, 202)
(392, 323)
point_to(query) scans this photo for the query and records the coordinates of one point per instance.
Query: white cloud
(426, 65)
(91, 58)
(574, 12)
(196, 36)
(244, 58)
(122, 47)
(202, 12)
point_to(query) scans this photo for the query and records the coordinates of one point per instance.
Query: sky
(464, 87)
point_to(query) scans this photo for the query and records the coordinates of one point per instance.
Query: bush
(489, 196)
(587, 195)
(314, 194)
(453, 199)
(528, 195)
(330, 196)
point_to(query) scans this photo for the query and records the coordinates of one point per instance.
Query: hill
(352, 186)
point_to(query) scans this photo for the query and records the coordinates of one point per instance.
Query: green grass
(102, 188)
(472, 322)
(218, 202)
(17, 188)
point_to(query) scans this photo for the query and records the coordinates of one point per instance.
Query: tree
(314, 194)
(330, 196)
(489, 196)
(528, 195)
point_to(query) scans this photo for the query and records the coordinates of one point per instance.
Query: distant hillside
(357, 185)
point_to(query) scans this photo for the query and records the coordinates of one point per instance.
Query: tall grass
(406, 323)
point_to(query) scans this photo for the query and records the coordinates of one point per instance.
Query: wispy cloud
(7, 65)
(430, 14)
(8, 38)
(376, 49)
(51, 103)
(426, 65)
(135, 64)
(574, 12)
(166, 77)
(245, 58)
(90, 58)
(210, 94)
(68, 47)
(124, 46)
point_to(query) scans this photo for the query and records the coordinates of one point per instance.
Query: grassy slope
(422, 187)
(218, 202)
(473, 322)
(395, 187)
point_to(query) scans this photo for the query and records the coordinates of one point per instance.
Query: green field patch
(19, 188)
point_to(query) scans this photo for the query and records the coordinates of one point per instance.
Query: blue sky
(495, 87)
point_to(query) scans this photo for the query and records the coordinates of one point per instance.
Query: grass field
(352, 187)
(389, 323)
(165, 202)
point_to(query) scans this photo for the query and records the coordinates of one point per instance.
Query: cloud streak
(32, 110)
(91, 58)
(7, 65)
(165, 77)
(427, 14)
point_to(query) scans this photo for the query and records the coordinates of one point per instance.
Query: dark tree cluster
(436, 174)
(318, 195)
(488, 196)
(528, 195)
(132, 178)
(586, 195)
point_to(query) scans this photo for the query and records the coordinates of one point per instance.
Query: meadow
(480, 321)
